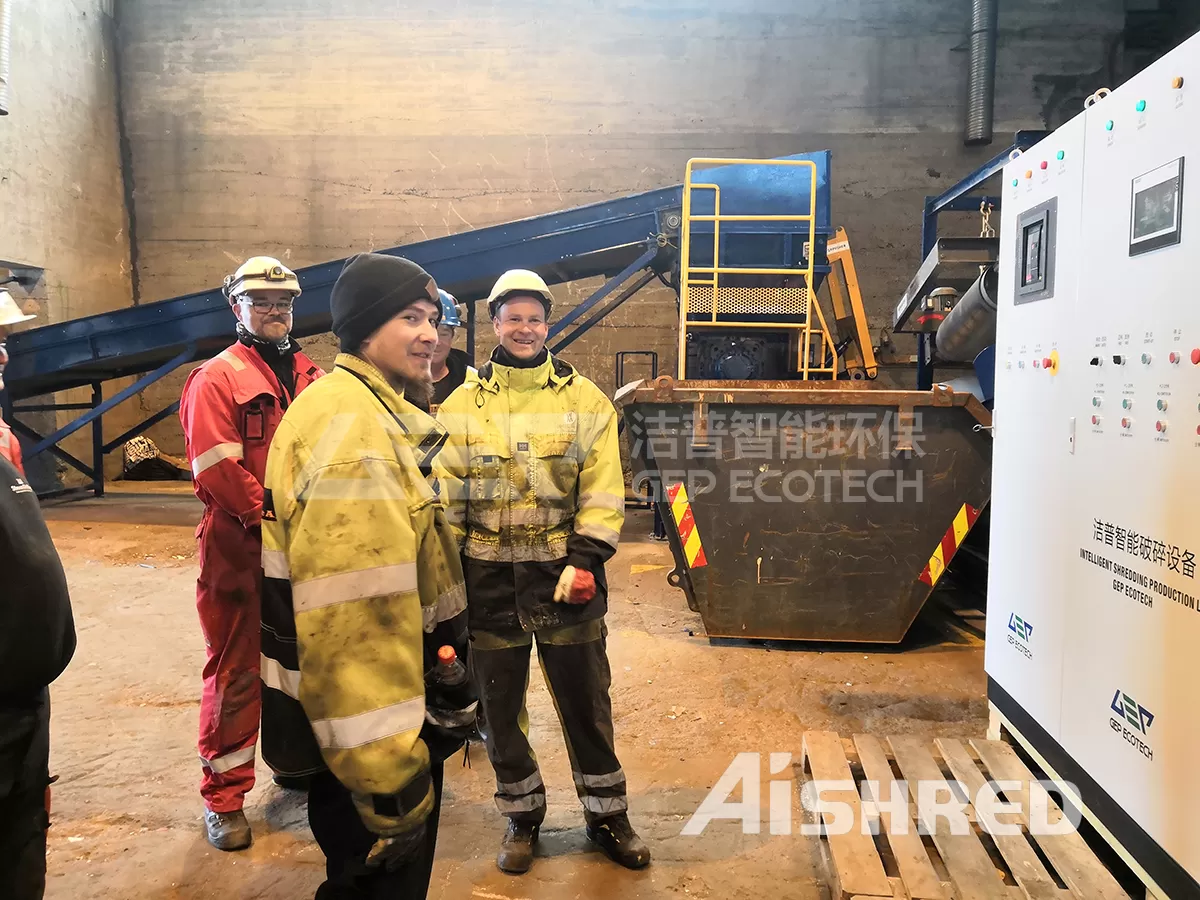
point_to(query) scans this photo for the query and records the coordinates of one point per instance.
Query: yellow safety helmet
(10, 313)
(262, 273)
(519, 281)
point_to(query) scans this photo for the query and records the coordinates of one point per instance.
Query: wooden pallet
(900, 862)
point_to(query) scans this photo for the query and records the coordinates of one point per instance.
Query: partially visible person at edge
(230, 409)
(532, 482)
(363, 586)
(448, 367)
(10, 314)
(37, 641)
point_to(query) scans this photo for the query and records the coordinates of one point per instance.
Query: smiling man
(532, 481)
(362, 587)
(230, 408)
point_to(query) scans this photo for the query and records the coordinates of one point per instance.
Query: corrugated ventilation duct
(981, 74)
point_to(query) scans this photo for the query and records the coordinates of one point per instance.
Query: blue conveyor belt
(597, 239)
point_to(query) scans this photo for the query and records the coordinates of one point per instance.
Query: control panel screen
(1157, 208)
(1036, 243)
(1031, 265)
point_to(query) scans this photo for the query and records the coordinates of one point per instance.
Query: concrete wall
(311, 129)
(62, 205)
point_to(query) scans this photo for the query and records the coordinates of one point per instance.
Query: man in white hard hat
(10, 314)
(230, 408)
(533, 487)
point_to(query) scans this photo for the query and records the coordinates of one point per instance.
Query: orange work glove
(575, 586)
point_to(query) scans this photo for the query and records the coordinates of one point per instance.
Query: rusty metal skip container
(815, 511)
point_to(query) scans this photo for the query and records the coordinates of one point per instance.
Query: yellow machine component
(717, 295)
(849, 315)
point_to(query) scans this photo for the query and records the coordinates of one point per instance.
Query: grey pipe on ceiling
(981, 71)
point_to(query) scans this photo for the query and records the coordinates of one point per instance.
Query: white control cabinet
(1094, 585)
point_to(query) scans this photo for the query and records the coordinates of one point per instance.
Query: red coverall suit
(9, 448)
(230, 408)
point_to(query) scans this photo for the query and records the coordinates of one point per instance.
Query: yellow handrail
(716, 270)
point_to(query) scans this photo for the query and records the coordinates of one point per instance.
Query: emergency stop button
(1051, 362)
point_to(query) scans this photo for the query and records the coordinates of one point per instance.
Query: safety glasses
(267, 306)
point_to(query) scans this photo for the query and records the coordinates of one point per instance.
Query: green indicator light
(1108, 126)
(1141, 106)
(1062, 154)
(1015, 182)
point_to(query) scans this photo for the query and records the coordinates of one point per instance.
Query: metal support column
(95, 417)
(21, 428)
(99, 410)
(98, 439)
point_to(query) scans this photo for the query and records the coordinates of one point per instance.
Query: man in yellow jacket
(362, 587)
(532, 483)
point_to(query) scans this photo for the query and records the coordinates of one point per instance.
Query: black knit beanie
(373, 288)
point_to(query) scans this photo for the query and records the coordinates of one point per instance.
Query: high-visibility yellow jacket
(362, 583)
(531, 480)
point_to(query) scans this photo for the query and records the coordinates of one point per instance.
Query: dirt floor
(127, 815)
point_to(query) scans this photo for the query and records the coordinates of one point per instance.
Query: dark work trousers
(23, 824)
(345, 841)
(24, 761)
(574, 660)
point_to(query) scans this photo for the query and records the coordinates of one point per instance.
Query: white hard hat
(262, 273)
(519, 281)
(10, 313)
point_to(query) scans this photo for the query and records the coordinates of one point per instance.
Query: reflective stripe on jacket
(230, 409)
(531, 474)
(362, 583)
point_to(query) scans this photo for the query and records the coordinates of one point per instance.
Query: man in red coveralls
(229, 409)
(10, 314)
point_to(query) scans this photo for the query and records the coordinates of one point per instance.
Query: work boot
(516, 847)
(227, 831)
(617, 838)
(292, 782)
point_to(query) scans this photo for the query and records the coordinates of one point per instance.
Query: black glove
(391, 853)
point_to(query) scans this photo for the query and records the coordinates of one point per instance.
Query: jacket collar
(553, 373)
(424, 434)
